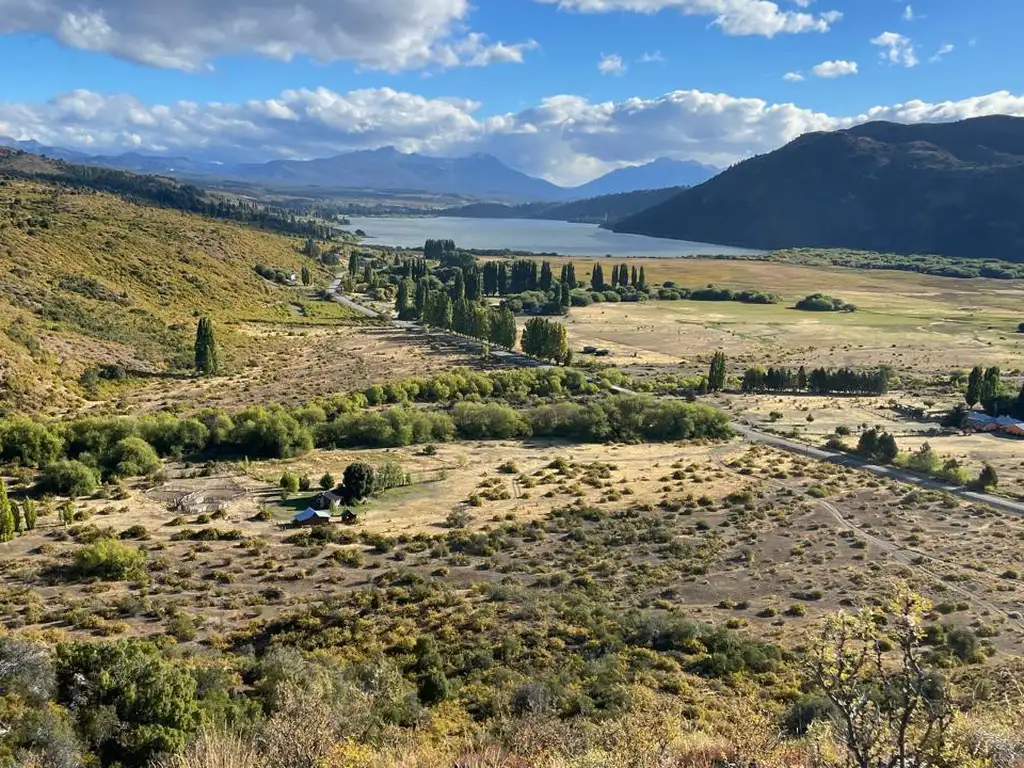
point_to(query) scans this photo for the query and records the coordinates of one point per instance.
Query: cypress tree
(307, 276)
(633, 277)
(566, 299)
(6, 514)
(207, 362)
(641, 282)
(597, 278)
(974, 385)
(402, 299)
(546, 277)
(502, 278)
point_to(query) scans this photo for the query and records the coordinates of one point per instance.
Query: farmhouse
(328, 499)
(312, 517)
(982, 422)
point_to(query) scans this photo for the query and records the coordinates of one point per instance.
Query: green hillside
(89, 278)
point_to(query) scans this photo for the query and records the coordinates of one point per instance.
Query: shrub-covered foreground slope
(88, 278)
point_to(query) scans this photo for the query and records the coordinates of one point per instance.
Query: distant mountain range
(478, 176)
(954, 189)
(603, 209)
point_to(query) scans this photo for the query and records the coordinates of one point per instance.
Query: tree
(891, 710)
(633, 280)
(133, 457)
(801, 378)
(307, 276)
(988, 479)
(402, 299)
(545, 339)
(69, 478)
(207, 362)
(358, 481)
(327, 481)
(716, 373)
(546, 277)
(7, 525)
(991, 384)
(597, 278)
(289, 484)
(30, 512)
(887, 448)
(867, 446)
(565, 298)
(641, 281)
(973, 393)
(19, 522)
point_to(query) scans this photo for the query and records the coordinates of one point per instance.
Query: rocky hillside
(954, 189)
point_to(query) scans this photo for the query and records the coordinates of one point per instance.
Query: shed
(348, 517)
(312, 517)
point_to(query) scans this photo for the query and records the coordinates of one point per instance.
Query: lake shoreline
(534, 238)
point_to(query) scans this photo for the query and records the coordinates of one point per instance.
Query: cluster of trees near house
(819, 381)
(986, 387)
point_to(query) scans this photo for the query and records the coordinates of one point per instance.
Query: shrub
(109, 559)
(69, 478)
(134, 457)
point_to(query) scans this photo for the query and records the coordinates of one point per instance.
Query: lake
(535, 236)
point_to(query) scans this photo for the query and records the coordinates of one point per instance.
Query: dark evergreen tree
(474, 289)
(307, 276)
(206, 356)
(358, 481)
(801, 379)
(402, 307)
(973, 395)
(457, 289)
(597, 278)
(502, 279)
(546, 277)
(887, 449)
(633, 279)
(565, 298)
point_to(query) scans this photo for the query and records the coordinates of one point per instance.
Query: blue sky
(712, 80)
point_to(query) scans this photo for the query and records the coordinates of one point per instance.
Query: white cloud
(908, 13)
(649, 57)
(833, 69)
(566, 138)
(897, 48)
(794, 77)
(611, 64)
(944, 50)
(188, 34)
(733, 17)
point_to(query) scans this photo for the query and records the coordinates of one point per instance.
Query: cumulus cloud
(833, 69)
(794, 77)
(897, 49)
(733, 17)
(649, 57)
(566, 138)
(611, 64)
(187, 34)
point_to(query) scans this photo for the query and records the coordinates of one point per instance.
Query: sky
(564, 89)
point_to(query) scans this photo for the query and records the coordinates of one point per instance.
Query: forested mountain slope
(953, 189)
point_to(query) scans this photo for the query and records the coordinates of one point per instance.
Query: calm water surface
(529, 235)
